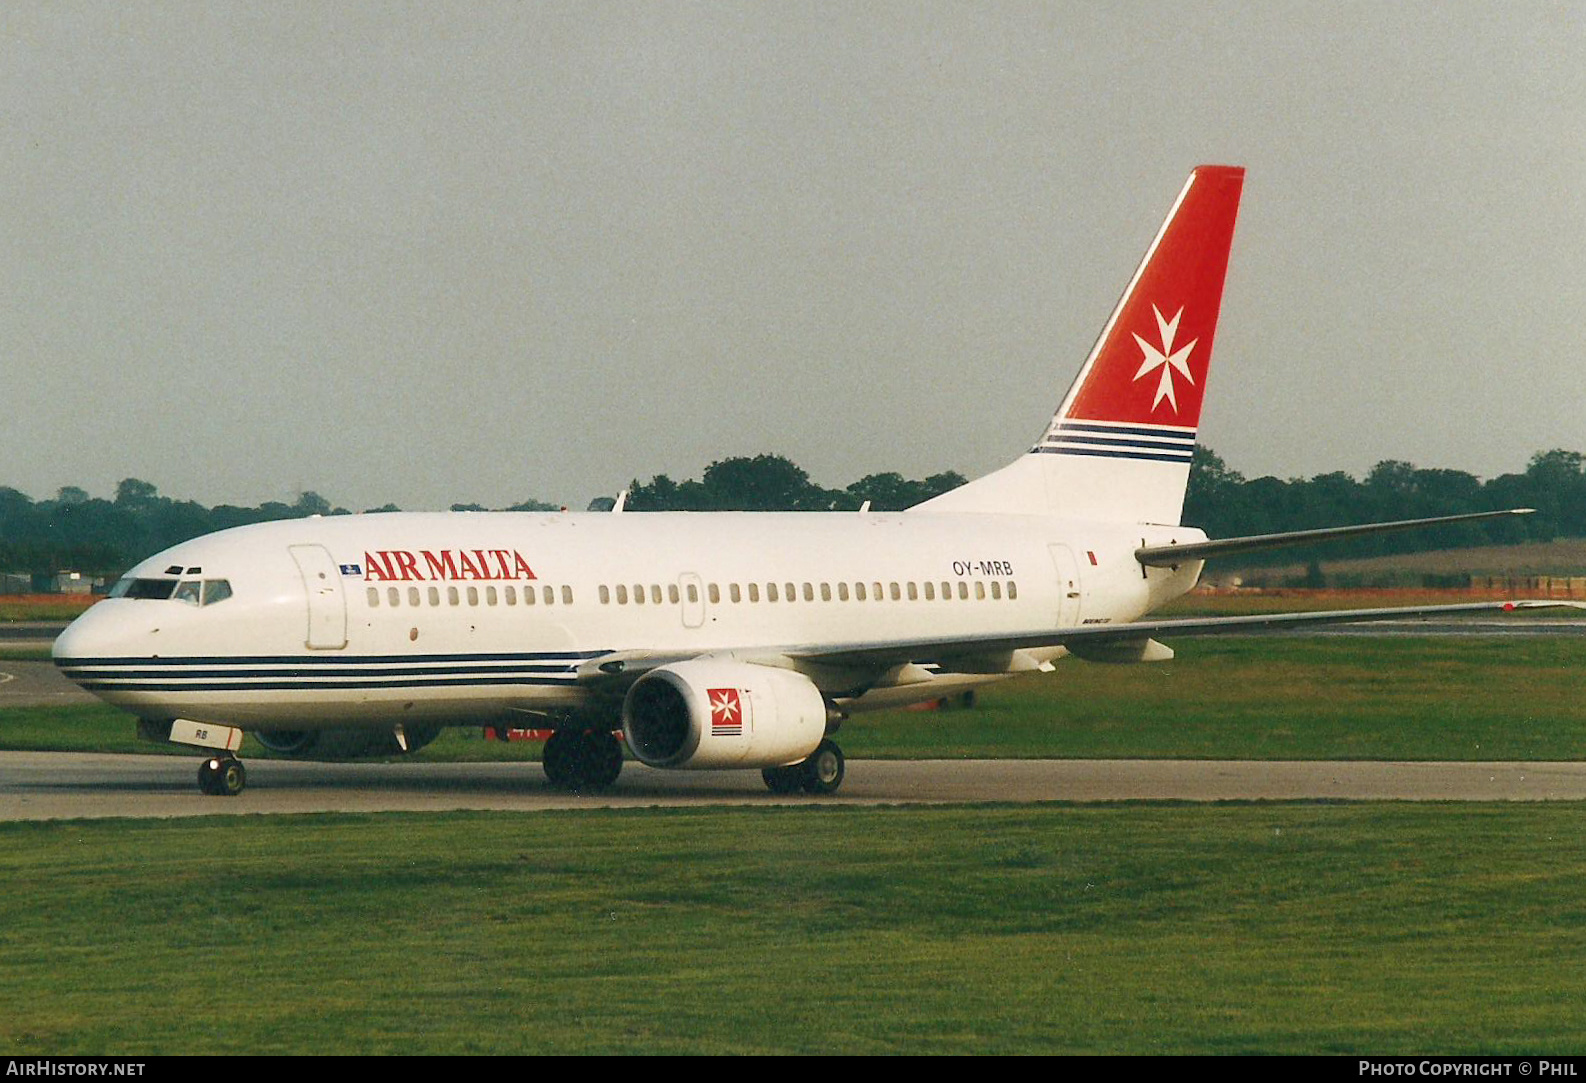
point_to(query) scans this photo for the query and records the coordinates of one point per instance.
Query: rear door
(1069, 595)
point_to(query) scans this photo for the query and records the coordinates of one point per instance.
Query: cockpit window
(191, 591)
(157, 589)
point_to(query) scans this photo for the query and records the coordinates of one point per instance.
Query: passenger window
(754, 592)
(550, 596)
(859, 591)
(511, 594)
(393, 595)
(842, 592)
(734, 593)
(435, 596)
(638, 594)
(451, 596)
(1013, 590)
(996, 590)
(473, 595)
(930, 591)
(693, 593)
(963, 591)
(413, 596)
(715, 594)
(809, 593)
(791, 593)
(528, 595)
(605, 595)
(622, 594)
(826, 592)
(655, 593)
(567, 595)
(875, 592)
(914, 592)
(374, 597)
(770, 592)
(490, 596)
(947, 591)
(980, 591)
(671, 592)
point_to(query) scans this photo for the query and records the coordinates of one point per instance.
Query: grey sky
(442, 252)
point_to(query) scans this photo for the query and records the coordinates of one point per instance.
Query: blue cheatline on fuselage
(289, 672)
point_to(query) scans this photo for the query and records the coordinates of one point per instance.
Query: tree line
(773, 483)
(100, 537)
(106, 536)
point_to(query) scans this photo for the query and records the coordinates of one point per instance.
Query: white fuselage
(462, 617)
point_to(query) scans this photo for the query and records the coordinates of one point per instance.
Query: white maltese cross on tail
(1165, 358)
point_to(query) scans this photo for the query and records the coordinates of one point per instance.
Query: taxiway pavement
(62, 785)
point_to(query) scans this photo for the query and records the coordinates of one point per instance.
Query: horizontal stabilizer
(1169, 556)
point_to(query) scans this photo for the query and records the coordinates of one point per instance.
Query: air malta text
(402, 565)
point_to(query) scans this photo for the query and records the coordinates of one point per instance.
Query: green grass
(24, 654)
(1273, 698)
(54, 607)
(1214, 929)
(1233, 698)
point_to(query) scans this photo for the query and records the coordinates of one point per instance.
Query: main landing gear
(222, 776)
(582, 759)
(821, 773)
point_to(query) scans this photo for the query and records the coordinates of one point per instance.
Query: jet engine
(345, 742)
(707, 713)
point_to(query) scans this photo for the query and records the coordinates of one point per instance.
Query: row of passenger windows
(655, 594)
(490, 595)
(639, 594)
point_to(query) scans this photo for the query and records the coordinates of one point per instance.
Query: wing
(1097, 635)
(997, 653)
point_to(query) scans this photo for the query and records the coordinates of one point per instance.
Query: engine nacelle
(345, 742)
(714, 714)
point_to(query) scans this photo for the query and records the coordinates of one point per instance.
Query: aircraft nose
(69, 643)
(93, 635)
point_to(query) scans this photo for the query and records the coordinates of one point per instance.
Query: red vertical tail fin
(1119, 446)
(1149, 366)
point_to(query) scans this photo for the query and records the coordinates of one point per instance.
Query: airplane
(711, 640)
